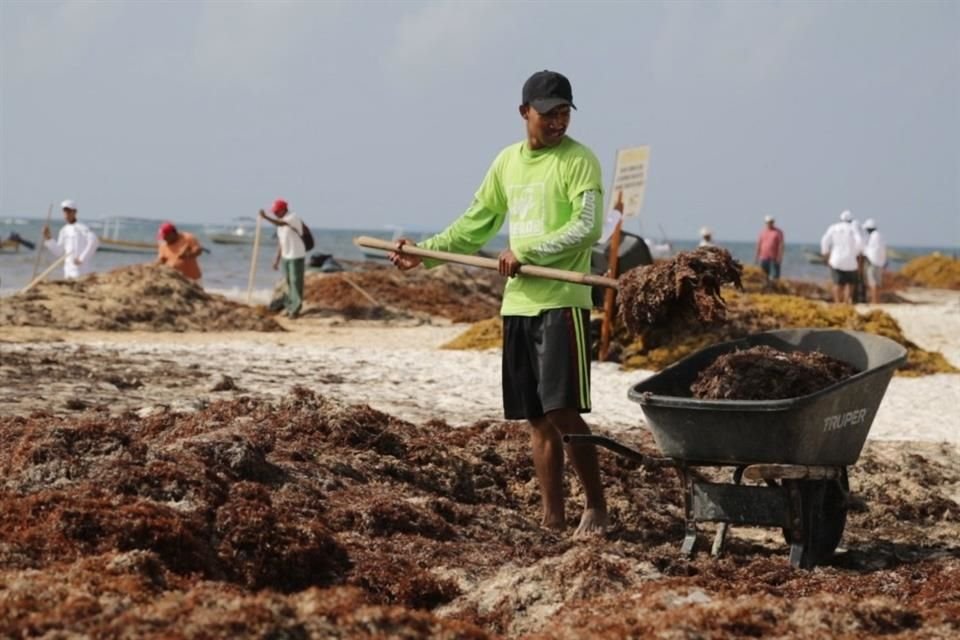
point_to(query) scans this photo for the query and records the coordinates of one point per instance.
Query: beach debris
(935, 270)
(306, 517)
(657, 347)
(454, 292)
(682, 289)
(122, 382)
(225, 383)
(660, 346)
(766, 373)
(75, 404)
(139, 297)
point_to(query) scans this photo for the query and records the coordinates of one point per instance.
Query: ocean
(226, 268)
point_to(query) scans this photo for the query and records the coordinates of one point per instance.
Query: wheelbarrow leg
(719, 538)
(689, 544)
(689, 540)
(798, 554)
(721, 535)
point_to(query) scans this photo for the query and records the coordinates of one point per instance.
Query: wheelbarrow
(796, 451)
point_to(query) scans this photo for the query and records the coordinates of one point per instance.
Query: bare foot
(593, 522)
(554, 524)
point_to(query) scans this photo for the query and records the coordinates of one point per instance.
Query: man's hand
(618, 205)
(404, 261)
(276, 265)
(507, 263)
(46, 232)
(77, 261)
(263, 214)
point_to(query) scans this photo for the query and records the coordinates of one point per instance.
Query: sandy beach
(364, 439)
(396, 367)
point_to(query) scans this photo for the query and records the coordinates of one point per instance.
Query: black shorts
(844, 277)
(546, 363)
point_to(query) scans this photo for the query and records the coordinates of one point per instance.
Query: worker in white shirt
(75, 241)
(706, 237)
(841, 245)
(875, 252)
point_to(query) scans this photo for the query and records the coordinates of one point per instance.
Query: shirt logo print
(526, 204)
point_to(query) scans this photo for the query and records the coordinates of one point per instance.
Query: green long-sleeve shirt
(553, 199)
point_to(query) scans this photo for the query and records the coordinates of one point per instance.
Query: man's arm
(825, 244)
(91, 248)
(580, 232)
(192, 249)
(783, 244)
(53, 246)
(275, 221)
(467, 235)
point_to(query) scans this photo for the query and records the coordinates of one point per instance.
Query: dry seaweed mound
(755, 281)
(684, 288)
(486, 334)
(765, 373)
(655, 348)
(936, 271)
(460, 294)
(139, 297)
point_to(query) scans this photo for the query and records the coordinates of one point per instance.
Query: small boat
(110, 240)
(14, 241)
(9, 246)
(111, 245)
(240, 235)
(242, 231)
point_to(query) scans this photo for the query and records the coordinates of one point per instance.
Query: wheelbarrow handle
(487, 263)
(609, 443)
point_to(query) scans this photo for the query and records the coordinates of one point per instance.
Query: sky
(367, 114)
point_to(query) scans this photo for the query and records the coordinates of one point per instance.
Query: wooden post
(610, 295)
(253, 260)
(36, 261)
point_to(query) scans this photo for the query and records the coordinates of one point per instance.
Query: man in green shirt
(549, 187)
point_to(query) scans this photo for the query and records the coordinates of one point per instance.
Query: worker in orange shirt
(179, 249)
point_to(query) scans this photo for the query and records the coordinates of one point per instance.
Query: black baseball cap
(546, 90)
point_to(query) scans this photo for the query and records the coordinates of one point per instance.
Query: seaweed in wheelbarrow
(766, 373)
(683, 289)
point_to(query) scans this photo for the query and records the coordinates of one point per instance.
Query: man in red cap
(179, 249)
(292, 251)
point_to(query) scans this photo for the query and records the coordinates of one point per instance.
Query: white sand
(400, 370)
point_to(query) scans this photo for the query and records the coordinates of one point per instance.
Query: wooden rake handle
(487, 263)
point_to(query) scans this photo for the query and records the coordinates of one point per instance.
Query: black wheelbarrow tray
(796, 450)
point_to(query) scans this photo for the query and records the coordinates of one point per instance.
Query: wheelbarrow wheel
(823, 505)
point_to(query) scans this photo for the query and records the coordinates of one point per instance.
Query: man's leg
(296, 286)
(548, 464)
(584, 461)
(874, 278)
